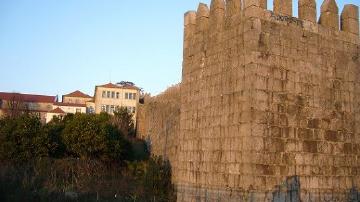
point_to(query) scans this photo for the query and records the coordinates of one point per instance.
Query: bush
(157, 180)
(56, 146)
(22, 138)
(81, 135)
(123, 120)
(37, 161)
(92, 136)
(49, 179)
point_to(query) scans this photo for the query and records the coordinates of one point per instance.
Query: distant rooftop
(77, 94)
(27, 97)
(57, 111)
(123, 85)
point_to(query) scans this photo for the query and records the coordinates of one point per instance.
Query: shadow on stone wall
(288, 191)
(354, 195)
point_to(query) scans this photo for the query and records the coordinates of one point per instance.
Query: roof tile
(57, 111)
(77, 94)
(111, 85)
(27, 97)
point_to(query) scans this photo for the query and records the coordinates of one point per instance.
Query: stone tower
(269, 103)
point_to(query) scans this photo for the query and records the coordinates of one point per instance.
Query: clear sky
(57, 46)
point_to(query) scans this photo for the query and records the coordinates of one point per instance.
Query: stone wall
(159, 124)
(268, 108)
(267, 97)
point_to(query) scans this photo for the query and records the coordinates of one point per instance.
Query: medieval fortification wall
(268, 104)
(159, 124)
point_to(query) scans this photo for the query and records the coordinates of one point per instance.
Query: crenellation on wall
(189, 30)
(329, 16)
(350, 19)
(268, 104)
(217, 7)
(202, 17)
(307, 10)
(233, 7)
(283, 7)
(255, 3)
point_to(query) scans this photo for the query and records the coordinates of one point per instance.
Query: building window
(126, 95)
(103, 108)
(112, 109)
(103, 94)
(130, 96)
(78, 110)
(108, 94)
(117, 95)
(90, 110)
(134, 96)
(112, 94)
(133, 110)
(107, 108)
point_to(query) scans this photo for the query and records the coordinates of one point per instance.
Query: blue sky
(55, 47)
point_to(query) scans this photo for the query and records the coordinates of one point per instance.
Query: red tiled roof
(68, 104)
(77, 94)
(57, 111)
(24, 110)
(27, 97)
(111, 85)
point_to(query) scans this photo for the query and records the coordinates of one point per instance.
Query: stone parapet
(268, 107)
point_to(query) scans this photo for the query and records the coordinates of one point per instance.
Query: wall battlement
(347, 22)
(269, 104)
(269, 99)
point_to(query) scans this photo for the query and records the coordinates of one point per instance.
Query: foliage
(48, 179)
(56, 145)
(123, 120)
(92, 136)
(139, 150)
(157, 180)
(22, 138)
(82, 154)
(98, 136)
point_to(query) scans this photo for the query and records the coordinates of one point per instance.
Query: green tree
(22, 138)
(54, 131)
(92, 136)
(123, 120)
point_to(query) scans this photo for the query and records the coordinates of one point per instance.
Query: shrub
(22, 138)
(92, 136)
(157, 180)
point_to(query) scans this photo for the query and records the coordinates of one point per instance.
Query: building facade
(60, 109)
(72, 103)
(57, 112)
(17, 103)
(110, 97)
(76, 97)
(70, 108)
(107, 98)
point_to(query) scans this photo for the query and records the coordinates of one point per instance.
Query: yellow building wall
(120, 101)
(75, 100)
(71, 109)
